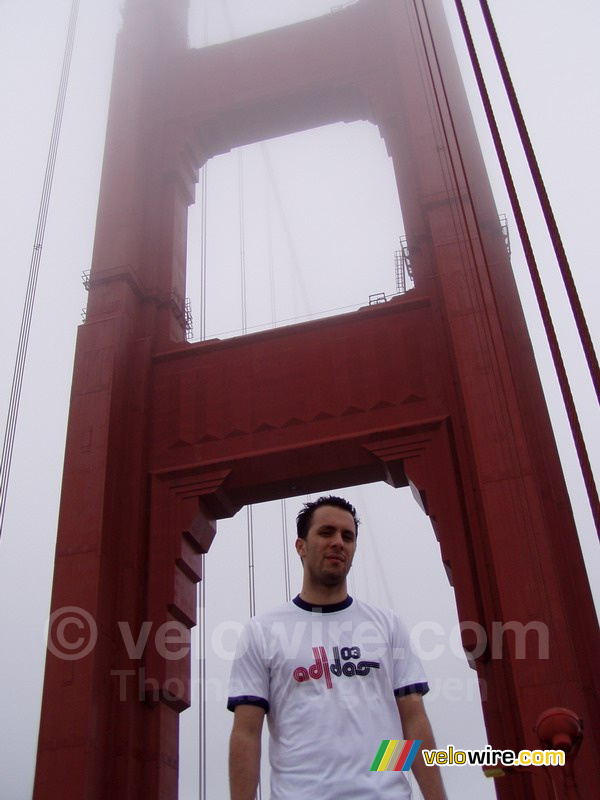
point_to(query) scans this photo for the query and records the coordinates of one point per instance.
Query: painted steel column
(98, 734)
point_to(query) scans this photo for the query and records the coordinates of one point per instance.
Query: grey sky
(342, 236)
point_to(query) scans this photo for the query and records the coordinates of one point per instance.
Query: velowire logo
(395, 755)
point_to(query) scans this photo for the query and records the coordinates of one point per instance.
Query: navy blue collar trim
(326, 609)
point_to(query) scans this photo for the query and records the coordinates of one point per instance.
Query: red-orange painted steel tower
(437, 388)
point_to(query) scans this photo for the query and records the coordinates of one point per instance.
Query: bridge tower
(162, 441)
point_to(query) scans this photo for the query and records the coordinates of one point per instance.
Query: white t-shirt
(327, 678)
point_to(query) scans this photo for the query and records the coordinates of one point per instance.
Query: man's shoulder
(277, 614)
(377, 612)
(385, 619)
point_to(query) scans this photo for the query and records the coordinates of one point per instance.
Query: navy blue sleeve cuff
(247, 700)
(413, 688)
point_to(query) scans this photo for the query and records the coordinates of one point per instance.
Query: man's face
(328, 549)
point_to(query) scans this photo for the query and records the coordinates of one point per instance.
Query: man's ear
(300, 547)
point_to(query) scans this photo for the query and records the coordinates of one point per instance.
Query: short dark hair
(305, 514)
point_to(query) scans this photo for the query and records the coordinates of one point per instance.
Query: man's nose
(338, 539)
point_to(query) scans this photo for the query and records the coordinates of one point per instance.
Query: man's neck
(323, 595)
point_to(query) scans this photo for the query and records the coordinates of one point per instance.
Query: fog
(321, 228)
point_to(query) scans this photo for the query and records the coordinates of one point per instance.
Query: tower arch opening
(397, 565)
(316, 230)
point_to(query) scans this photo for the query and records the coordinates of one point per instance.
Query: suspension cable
(249, 512)
(559, 365)
(242, 239)
(286, 552)
(287, 232)
(203, 218)
(271, 263)
(250, 536)
(203, 241)
(202, 760)
(249, 516)
(557, 243)
(23, 341)
(202, 679)
(284, 525)
(252, 591)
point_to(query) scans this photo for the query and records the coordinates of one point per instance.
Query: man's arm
(244, 752)
(415, 725)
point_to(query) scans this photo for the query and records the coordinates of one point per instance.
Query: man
(334, 676)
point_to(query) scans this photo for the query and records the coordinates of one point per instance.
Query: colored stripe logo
(395, 755)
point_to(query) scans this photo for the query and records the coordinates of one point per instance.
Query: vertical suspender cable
(252, 590)
(297, 272)
(202, 591)
(202, 760)
(557, 243)
(249, 519)
(203, 240)
(286, 552)
(249, 515)
(17, 383)
(242, 238)
(559, 365)
(202, 680)
(284, 525)
(271, 266)
(244, 331)
(250, 533)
